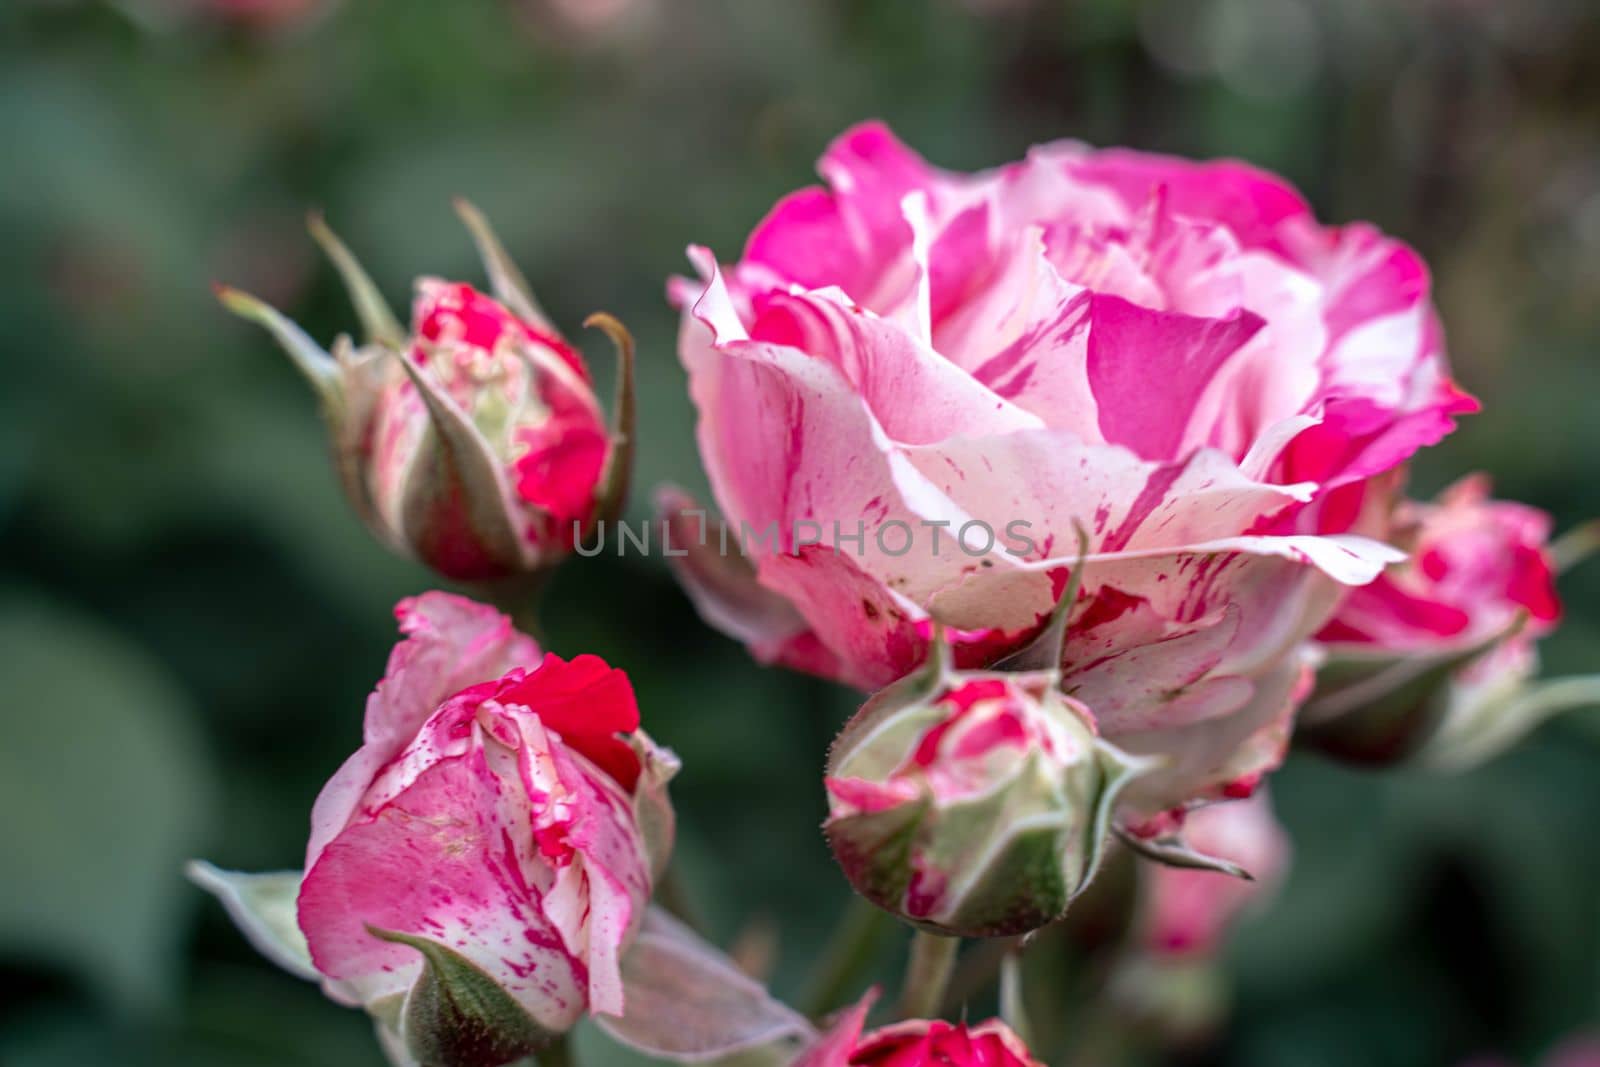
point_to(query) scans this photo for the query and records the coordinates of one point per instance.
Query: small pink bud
(473, 441)
(1431, 663)
(915, 1043)
(972, 803)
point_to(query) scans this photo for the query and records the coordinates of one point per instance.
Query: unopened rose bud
(915, 1043)
(477, 870)
(1433, 663)
(475, 442)
(972, 803)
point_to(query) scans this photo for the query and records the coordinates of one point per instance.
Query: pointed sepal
(1482, 726)
(1043, 653)
(456, 511)
(313, 361)
(652, 808)
(457, 1016)
(612, 493)
(377, 318)
(506, 280)
(1381, 709)
(1172, 851)
(263, 907)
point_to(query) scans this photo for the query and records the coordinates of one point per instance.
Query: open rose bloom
(941, 378)
(1434, 659)
(504, 817)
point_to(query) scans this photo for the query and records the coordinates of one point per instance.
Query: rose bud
(971, 803)
(915, 1043)
(475, 443)
(477, 869)
(912, 385)
(1433, 661)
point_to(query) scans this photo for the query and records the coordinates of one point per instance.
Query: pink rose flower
(474, 441)
(916, 386)
(1475, 566)
(1441, 644)
(1187, 912)
(504, 806)
(915, 1043)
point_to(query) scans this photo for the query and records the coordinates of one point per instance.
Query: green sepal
(457, 1016)
(456, 494)
(905, 706)
(1043, 653)
(874, 849)
(612, 492)
(371, 308)
(505, 279)
(1173, 851)
(263, 907)
(313, 361)
(1381, 710)
(1023, 886)
(1478, 731)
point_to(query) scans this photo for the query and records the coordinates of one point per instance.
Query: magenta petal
(1149, 370)
(450, 643)
(471, 895)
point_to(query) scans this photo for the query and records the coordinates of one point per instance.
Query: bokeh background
(190, 619)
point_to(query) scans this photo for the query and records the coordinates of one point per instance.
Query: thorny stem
(933, 957)
(850, 951)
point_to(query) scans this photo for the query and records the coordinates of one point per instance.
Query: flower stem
(520, 596)
(850, 951)
(1013, 1010)
(1575, 545)
(557, 1054)
(933, 956)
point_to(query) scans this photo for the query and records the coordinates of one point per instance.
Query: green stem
(850, 951)
(557, 1054)
(1574, 546)
(1013, 1009)
(933, 957)
(520, 597)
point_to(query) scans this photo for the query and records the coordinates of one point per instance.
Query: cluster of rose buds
(1087, 469)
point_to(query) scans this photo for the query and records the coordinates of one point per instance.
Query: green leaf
(105, 786)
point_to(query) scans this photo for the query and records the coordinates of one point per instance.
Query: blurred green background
(190, 619)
